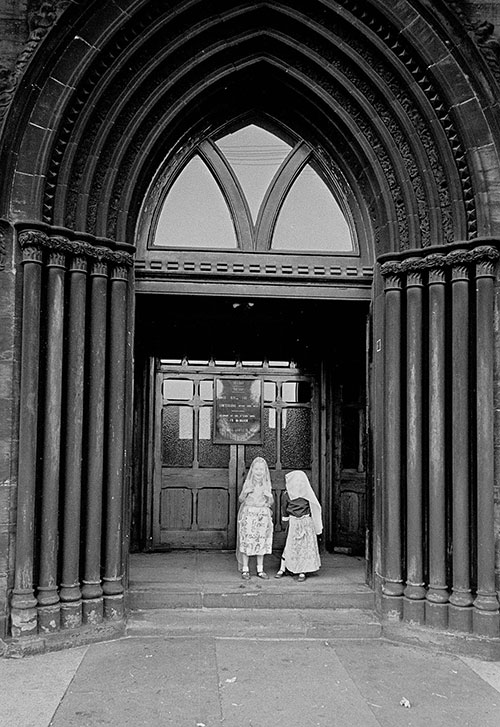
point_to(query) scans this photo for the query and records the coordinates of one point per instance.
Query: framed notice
(237, 411)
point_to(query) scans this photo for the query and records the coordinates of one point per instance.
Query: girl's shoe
(245, 575)
(263, 575)
(280, 574)
(301, 578)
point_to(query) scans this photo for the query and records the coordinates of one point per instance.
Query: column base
(114, 607)
(23, 622)
(71, 615)
(392, 607)
(486, 623)
(460, 618)
(414, 611)
(92, 611)
(49, 618)
(436, 615)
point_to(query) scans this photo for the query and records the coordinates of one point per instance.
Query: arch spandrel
(419, 110)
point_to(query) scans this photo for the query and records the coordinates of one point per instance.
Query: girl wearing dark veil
(254, 531)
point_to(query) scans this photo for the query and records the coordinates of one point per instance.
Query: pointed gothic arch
(399, 106)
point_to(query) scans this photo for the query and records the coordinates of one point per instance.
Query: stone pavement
(249, 668)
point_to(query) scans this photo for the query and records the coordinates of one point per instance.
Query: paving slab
(144, 683)
(206, 681)
(32, 688)
(440, 689)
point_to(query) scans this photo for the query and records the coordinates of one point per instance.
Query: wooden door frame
(153, 470)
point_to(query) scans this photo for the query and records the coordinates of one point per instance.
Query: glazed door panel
(195, 493)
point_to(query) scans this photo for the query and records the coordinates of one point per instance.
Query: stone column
(23, 602)
(485, 614)
(460, 612)
(48, 596)
(70, 593)
(437, 594)
(392, 588)
(414, 604)
(113, 575)
(92, 588)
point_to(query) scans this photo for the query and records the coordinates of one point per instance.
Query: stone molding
(29, 239)
(478, 255)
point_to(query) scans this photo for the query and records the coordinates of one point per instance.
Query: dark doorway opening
(198, 337)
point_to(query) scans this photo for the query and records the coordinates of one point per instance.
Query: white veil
(248, 487)
(298, 485)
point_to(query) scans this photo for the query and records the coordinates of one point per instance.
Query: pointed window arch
(194, 213)
(253, 190)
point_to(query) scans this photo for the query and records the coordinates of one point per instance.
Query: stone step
(255, 594)
(263, 623)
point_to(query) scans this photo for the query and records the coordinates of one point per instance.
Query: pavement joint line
(329, 639)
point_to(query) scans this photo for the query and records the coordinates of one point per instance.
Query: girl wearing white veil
(303, 512)
(254, 529)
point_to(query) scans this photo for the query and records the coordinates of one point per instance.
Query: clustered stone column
(438, 471)
(71, 436)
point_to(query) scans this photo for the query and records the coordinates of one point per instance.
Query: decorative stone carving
(41, 19)
(3, 249)
(457, 259)
(58, 244)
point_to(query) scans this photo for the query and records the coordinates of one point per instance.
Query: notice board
(238, 411)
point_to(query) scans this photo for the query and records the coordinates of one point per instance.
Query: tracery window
(251, 190)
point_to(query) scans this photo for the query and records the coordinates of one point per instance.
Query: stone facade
(83, 143)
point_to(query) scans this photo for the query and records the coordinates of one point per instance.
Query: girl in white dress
(254, 531)
(302, 511)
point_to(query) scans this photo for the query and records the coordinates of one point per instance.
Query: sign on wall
(238, 411)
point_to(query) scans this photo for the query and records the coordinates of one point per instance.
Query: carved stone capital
(57, 259)
(437, 276)
(78, 263)
(459, 261)
(393, 282)
(119, 272)
(31, 242)
(99, 269)
(414, 279)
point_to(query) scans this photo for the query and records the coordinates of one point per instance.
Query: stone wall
(13, 36)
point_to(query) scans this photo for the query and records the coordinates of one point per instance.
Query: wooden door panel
(212, 508)
(351, 511)
(194, 505)
(176, 508)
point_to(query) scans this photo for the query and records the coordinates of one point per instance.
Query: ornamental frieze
(483, 254)
(56, 244)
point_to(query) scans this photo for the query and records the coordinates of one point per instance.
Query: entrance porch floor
(210, 579)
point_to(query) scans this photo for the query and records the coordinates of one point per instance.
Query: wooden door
(197, 481)
(195, 486)
(349, 474)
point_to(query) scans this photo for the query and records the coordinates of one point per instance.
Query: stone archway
(111, 96)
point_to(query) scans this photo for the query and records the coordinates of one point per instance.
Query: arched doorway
(279, 205)
(392, 110)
